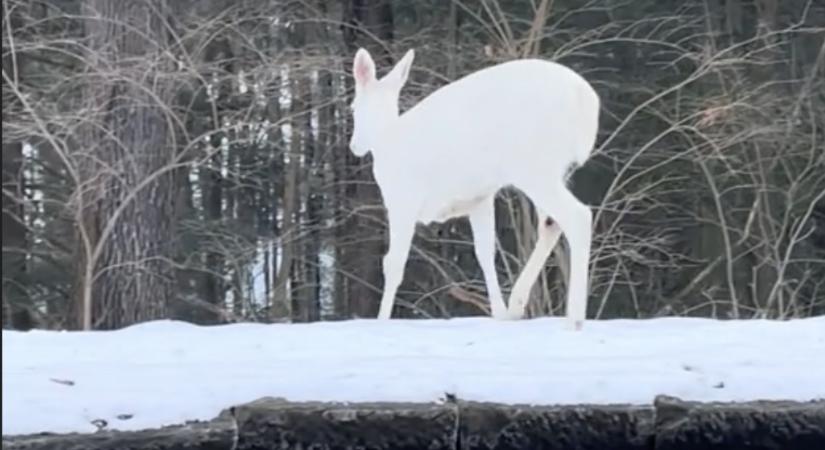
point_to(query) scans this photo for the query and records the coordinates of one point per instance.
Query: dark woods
(188, 159)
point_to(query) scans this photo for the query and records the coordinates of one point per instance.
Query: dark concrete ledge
(615, 427)
(669, 423)
(337, 425)
(776, 425)
(218, 434)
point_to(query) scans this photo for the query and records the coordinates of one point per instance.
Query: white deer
(521, 124)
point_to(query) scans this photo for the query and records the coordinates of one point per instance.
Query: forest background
(188, 159)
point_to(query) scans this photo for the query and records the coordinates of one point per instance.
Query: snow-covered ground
(164, 372)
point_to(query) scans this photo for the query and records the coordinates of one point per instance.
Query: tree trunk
(311, 192)
(212, 198)
(127, 277)
(282, 306)
(14, 226)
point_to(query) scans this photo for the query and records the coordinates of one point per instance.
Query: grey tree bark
(128, 193)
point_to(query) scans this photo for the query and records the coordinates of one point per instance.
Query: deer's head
(375, 105)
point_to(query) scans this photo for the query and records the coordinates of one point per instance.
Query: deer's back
(525, 118)
(524, 110)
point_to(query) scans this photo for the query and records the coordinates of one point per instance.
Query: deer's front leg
(483, 223)
(401, 234)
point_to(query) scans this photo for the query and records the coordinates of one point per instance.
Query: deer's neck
(385, 137)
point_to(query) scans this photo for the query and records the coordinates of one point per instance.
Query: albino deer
(522, 123)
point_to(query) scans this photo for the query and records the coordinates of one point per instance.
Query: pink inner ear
(362, 70)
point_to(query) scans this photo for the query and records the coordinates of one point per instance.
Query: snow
(167, 372)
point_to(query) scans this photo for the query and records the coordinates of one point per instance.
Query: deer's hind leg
(576, 221)
(548, 236)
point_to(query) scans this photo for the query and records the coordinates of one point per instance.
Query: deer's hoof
(514, 314)
(574, 325)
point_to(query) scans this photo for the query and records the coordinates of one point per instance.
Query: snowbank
(166, 372)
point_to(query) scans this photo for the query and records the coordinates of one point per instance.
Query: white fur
(522, 123)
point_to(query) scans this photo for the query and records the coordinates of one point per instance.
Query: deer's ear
(363, 68)
(401, 71)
